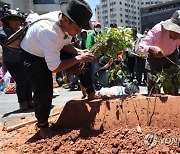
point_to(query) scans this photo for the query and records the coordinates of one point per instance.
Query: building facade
(123, 12)
(162, 12)
(98, 13)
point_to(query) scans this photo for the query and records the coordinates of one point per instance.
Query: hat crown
(13, 13)
(79, 12)
(176, 18)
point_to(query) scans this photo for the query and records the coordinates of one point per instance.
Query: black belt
(30, 57)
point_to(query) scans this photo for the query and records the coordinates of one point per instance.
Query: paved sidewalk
(9, 106)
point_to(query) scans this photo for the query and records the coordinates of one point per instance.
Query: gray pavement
(9, 106)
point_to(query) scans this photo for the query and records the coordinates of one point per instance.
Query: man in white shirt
(41, 49)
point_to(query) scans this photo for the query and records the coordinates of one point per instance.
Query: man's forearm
(70, 49)
(65, 64)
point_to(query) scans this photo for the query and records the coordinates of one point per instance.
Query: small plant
(117, 75)
(168, 79)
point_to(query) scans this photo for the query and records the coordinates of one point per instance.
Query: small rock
(138, 128)
(79, 151)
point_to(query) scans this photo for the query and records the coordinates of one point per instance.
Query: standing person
(40, 54)
(83, 38)
(130, 57)
(89, 44)
(12, 21)
(140, 63)
(92, 35)
(161, 42)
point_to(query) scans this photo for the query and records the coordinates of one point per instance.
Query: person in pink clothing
(161, 41)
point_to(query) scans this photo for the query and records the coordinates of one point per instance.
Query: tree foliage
(111, 41)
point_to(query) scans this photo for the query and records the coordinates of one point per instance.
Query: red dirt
(115, 125)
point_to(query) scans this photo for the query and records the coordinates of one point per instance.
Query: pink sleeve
(145, 43)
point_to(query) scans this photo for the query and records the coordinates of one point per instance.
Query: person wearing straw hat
(12, 21)
(161, 45)
(42, 54)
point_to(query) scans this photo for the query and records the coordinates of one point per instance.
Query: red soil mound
(116, 125)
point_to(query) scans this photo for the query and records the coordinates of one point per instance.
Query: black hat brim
(63, 8)
(3, 19)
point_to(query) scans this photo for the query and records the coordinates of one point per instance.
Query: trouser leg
(41, 80)
(85, 74)
(23, 86)
(86, 80)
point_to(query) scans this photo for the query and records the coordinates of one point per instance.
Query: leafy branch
(109, 43)
(168, 79)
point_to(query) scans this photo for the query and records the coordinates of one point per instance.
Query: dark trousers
(84, 75)
(42, 83)
(23, 86)
(154, 65)
(131, 61)
(140, 69)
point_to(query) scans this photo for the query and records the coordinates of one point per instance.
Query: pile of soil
(136, 124)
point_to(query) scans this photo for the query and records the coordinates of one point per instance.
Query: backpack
(15, 39)
(131, 88)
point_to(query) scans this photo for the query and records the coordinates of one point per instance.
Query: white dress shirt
(45, 39)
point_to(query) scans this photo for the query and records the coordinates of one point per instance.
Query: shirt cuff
(143, 50)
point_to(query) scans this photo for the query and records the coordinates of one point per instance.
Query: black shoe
(45, 133)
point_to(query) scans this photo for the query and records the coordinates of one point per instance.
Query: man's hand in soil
(155, 52)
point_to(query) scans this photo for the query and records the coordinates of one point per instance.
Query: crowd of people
(63, 39)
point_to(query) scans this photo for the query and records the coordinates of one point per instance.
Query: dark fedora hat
(12, 13)
(78, 11)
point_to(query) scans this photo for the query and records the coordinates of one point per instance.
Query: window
(126, 10)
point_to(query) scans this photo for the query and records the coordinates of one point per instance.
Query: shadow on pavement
(16, 112)
(19, 111)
